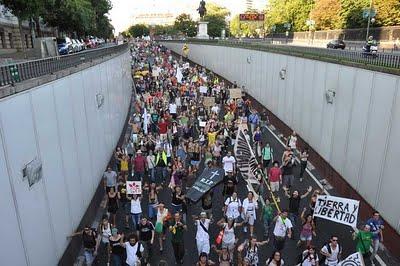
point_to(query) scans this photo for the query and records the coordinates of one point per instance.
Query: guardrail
(389, 63)
(18, 72)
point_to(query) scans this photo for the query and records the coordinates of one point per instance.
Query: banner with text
(206, 181)
(336, 209)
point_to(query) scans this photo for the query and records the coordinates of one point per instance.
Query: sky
(123, 10)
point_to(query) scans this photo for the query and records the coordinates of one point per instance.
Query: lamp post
(273, 32)
(287, 26)
(371, 18)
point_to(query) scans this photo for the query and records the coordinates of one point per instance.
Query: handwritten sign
(134, 187)
(336, 209)
(203, 89)
(235, 93)
(208, 101)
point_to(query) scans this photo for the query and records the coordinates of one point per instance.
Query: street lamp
(273, 28)
(370, 15)
(287, 26)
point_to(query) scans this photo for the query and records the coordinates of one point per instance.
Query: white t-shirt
(282, 227)
(292, 142)
(229, 234)
(228, 163)
(131, 258)
(333, 259)
(172, 108)
(309, 260)
(215, 109)
(201, 234)
(151, 161)
(232, 210)
(250, 207)
(135, 206)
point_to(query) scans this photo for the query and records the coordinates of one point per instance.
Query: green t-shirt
(177, 236)
(267, 213)
(184, 120)
(364, 241)
(267, 153)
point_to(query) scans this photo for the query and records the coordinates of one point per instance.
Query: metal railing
(381, 62)
(18, 72)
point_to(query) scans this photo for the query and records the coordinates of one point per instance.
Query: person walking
(124, 200)
(116, 250)
(146, 236)
(294, 203)
(275, 259)
(267, 216)
(136, 211)
(331, 252)
(267, 155)
(233, 207)
(251, 249)
(307, 229)
(177, 228)
(110, 179)
(304, 154)
(112, 204)
(275, 177)
(139, 166)
(90, 243)
(283, 227)
(364, 238)
(249, 212)
(376, 225)
(134, 250)
(202, 235)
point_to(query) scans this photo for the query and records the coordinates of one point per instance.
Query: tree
(186, 25)
(214, 9)
(138, 30)
(351, 13)
(216, 17)
(242, 28)
(387, 12)
(326, 14)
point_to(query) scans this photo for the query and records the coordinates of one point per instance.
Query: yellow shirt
(124, 165)
(211, 137)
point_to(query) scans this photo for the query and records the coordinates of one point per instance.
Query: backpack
(323, 258)
(138, 252)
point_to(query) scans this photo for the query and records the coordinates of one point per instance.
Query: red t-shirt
(139, 163)
(163, 126)
(274, 174)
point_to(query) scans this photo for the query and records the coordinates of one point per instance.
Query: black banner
(206, 181)
(245, 158)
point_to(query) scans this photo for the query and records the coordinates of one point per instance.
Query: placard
(336, 209)
(251, 17)
(208, 101)
(203, 89)
(202, 123)
(235, 93)
(206, 181)
(134, 187)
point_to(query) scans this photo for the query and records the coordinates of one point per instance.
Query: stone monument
(202, 32)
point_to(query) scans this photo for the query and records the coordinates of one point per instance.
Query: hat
(203, 214)
(114, 231)
(139, 152)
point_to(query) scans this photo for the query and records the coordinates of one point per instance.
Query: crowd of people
(175, 135)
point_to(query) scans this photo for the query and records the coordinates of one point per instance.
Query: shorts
(195, 163)
(163, 136)
(288, 180)
(266, 163)
(275, 186)
(305, 238)
(250, 219)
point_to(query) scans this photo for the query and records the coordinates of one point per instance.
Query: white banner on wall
(336, 209)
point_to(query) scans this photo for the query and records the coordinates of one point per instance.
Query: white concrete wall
(59, 123)
(358, 134)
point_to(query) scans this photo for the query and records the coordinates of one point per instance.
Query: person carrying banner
(283, 227)
(364, 238)
(202, 234)
(331, 252)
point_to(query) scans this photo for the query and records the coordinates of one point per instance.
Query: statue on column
(202, 9)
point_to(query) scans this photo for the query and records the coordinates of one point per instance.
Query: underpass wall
(66, 127)
(357, 134)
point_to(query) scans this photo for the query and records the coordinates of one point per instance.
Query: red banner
(251, 17)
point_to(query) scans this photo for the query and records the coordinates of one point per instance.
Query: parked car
(336, 44)
(75, 46)
(64, 45)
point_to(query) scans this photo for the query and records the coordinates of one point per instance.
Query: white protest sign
(203, 89)
(133, 187)
(336, 209)
(202, 123)
(355, 259)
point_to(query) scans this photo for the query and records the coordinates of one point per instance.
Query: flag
(179, 75)
(355, 259)
(245, 158)
(206, 181)
(145, 121)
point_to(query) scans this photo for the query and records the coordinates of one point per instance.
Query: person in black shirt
(287, 172)
(294, 203)
(146, 235)
(229, 185)
(90, 243)
(117, 251)
(124, 201)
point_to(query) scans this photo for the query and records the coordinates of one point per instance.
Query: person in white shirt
(292, 141)
(134, 250)
(151, 163)
(215, 109)
(249, 212)
(283, 227)
(172, 109)
(332, 251)
(310, 257)
(202, 235)
(233, 207)
(229, 163)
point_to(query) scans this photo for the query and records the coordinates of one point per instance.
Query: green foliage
(185, 24)
(24, 9)
(138, 30)
(164, 30)
(352, 11)
(216, 16)
(244, 28)
(387, 12)
(217, 10)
